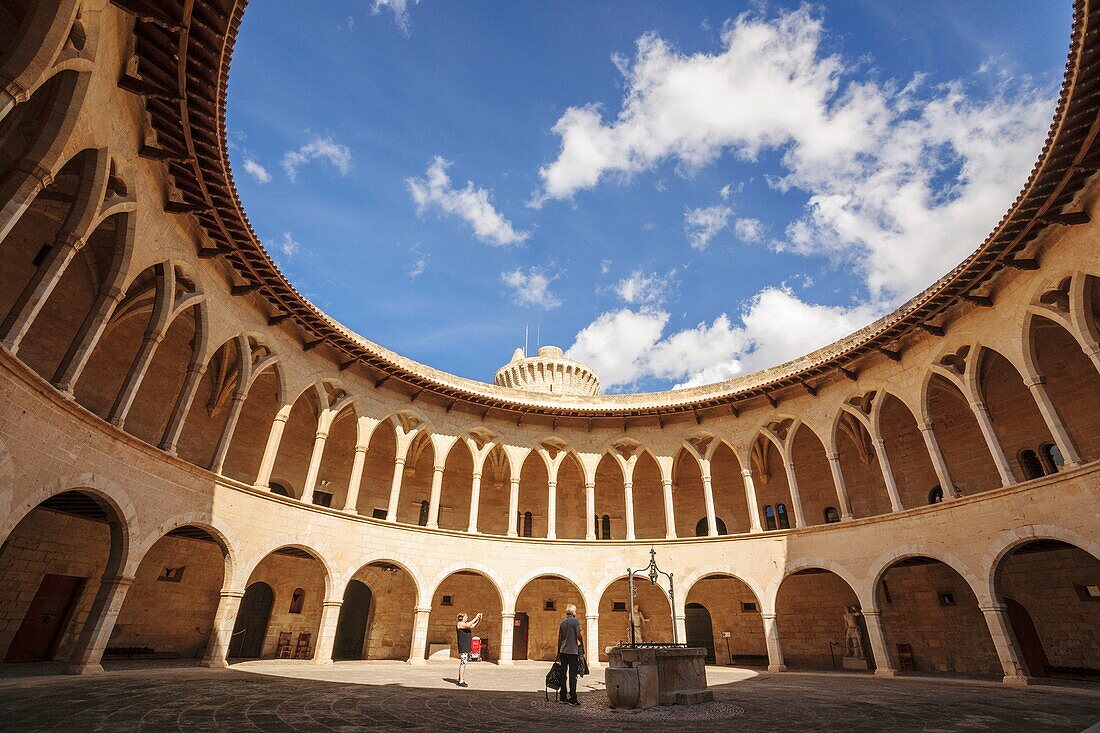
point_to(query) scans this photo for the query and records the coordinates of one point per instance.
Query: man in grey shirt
(570, 649)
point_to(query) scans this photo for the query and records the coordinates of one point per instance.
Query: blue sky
(676, 193)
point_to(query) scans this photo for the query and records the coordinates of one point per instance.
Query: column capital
(280, 417)
(438, 469)
(423, 609)
(331, 604)
(360, 449)
(992, 607)
(746, 472)
(69, 240)
(235, 593)
(508, 614)
(1033, 379)
(117, 580)
(833, 456)
(321, 435)
(1092, 348)
(32, 167)
(592, 616)
(873, 614)
(878, 442)
(477, 474)
(978, 406)
(400, 461)
(768, 616)
(552, 483)
(667, 482)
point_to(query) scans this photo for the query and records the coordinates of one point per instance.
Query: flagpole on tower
(525, 327)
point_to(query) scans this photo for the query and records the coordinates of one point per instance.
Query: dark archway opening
(252, 619)
(351, 628)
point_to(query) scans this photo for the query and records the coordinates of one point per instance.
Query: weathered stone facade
(154, 362)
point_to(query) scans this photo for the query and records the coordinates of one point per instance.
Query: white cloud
(605, 267)
(902, 180)
(749, 230)
(255, 169)
(649, 289)
(418, 268)
(531, 287)
(471, 204)
(627, 346)
(400, 10)
(319, 148)
(287, 245)
(724, 192)
(704, 223)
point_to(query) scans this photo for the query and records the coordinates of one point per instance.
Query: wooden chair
(906, 662)
(282, 649)
(302, 649)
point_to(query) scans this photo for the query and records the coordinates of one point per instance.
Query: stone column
(1053, 419)
(271, 451)
(513, 507)
(181, 409)
(884, 667)
(938, 462)
(221, 633)
(670, 513)
(138, 369)
(750, 500)
(26, 179)
(433, 498)
(356, 481)
(395, 488)
(592, 640)
(420, 636)
(590, 508)
(679, 629)
(97, 629)
(995, 450)
(475, 501)
(314, 469)
(708, 502)
(628, 495)
(888, 475)
(326, 633)
(775, 649)
(507, 631)
(996, 618)
(80, 350)
(552, 510)
(841, 487)
(226, 438)
(796, 498)
(37, 292)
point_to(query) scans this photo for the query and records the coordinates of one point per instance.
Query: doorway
(48, 615)
(700, 630)
(520, 633)
(351, 628)
(1027, 638)
(252, 619)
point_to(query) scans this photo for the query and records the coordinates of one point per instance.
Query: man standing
(570, 649)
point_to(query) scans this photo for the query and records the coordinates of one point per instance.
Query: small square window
(378, 513)
(947, 598)
(447, 601)
(618, 606)
(748, 607)
(549, 606)
(322, 498)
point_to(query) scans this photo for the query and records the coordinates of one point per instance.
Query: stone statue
(853, 636)
(639, 619)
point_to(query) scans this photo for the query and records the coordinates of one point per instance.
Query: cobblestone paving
(422, 699)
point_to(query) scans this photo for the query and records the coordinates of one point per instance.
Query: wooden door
(519, 636)
(351, 626)
(700, 630)
(48, 615)
(1027, 637)
(252, 619)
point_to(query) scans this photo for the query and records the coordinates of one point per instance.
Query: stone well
(643, 677)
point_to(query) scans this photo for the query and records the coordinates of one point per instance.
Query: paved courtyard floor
(352, 696)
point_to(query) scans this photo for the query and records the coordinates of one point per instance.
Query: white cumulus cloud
(471, 204)
(319, 148)
(704, 223)
(400, 10)
(531, 287)
(749, 230)
(256, 170)
(642, 288)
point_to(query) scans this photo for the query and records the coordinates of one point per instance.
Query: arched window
(769, 517)
(528, 523)
(1030, 464)
(278, 489)
(832, 516)
(935, 496)
(605, 527)
(701, 528)
(423, 520)
(781, 515)
(1052, 457)
(297, 598)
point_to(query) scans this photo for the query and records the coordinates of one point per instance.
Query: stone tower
(549, 372)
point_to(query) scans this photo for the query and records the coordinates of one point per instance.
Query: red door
(1031, 646)
(46, 618)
